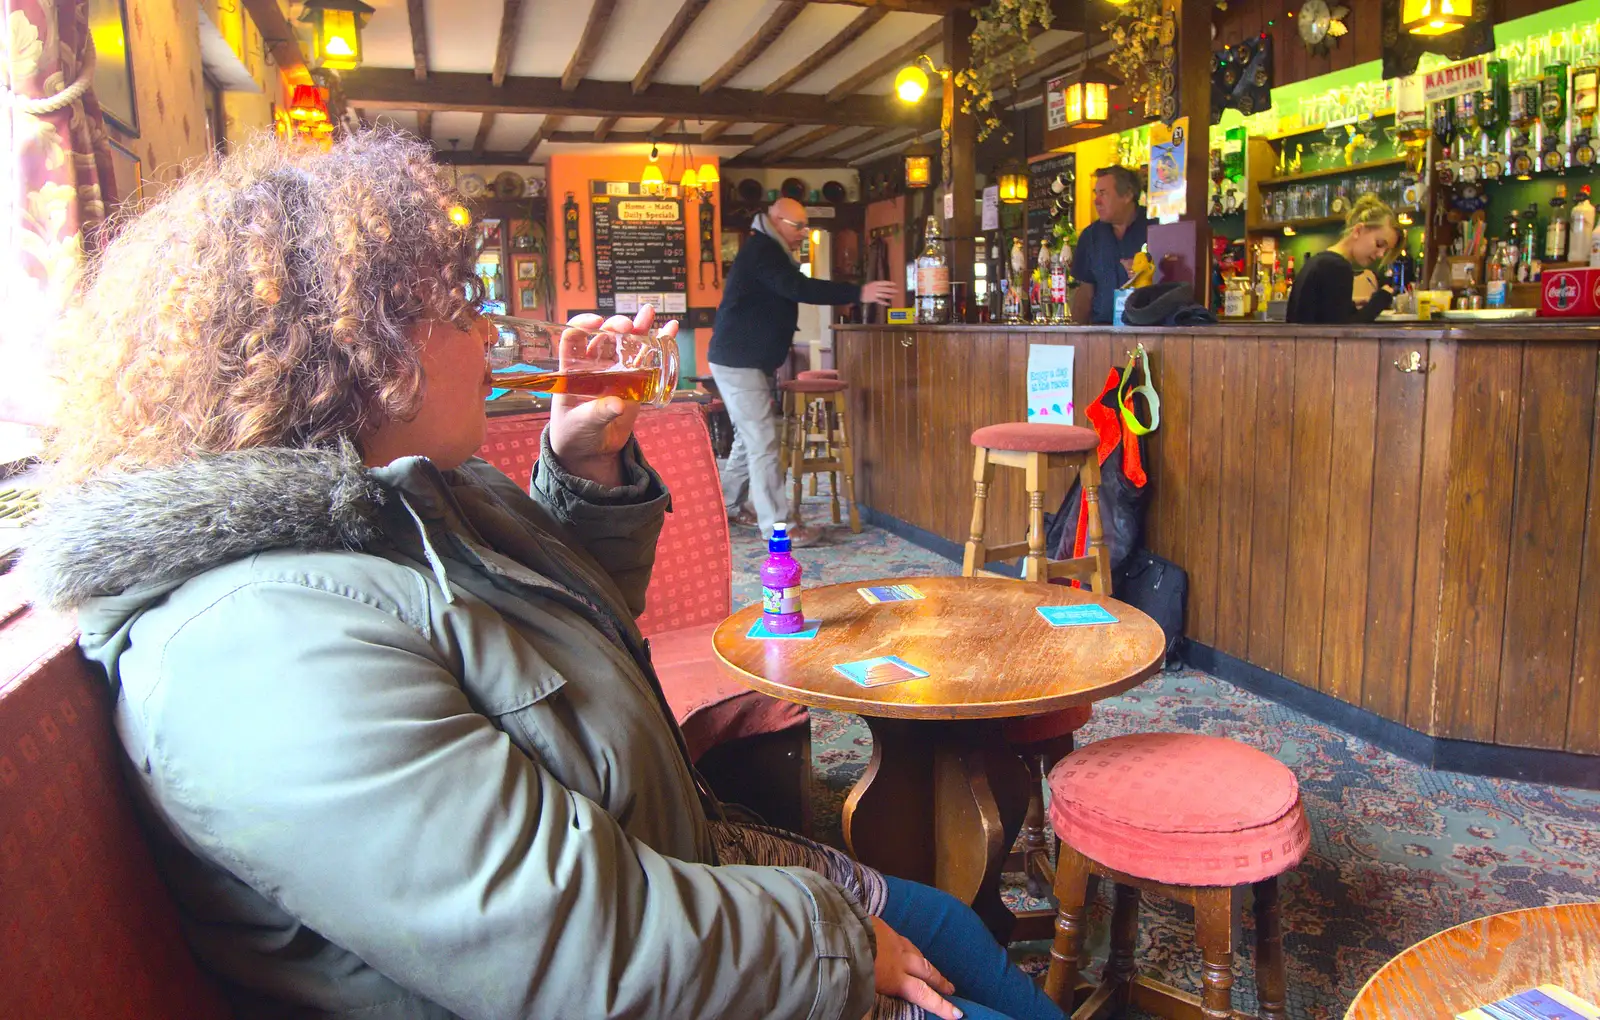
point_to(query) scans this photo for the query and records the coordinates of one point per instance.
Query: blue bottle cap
(779, 542)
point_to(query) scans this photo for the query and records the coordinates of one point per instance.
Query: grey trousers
(752, 465)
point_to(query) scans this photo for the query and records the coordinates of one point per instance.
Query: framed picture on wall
(128, 172)
(525, 271)
(113, 69)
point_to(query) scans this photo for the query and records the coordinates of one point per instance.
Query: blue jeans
(956, 942)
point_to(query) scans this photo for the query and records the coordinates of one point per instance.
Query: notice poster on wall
(1168, 194)
(1050, 383)
(640, 250)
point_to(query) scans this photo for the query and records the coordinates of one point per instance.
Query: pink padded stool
(1194, 818)
(818, 373)
(816, 442)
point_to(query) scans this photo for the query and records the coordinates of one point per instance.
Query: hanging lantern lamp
(911, 84)
(1012, 179)
(336, 32)
(309, 105)
(1435, 17)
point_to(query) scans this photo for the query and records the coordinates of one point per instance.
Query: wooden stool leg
(847, 459)
(1271, 976)
(1066, 950)
(1036, 832)
(815, 426)
(982, 475)
(797, 461)
(785, 437)
(1096, 546)
(1035, 566)
(1120, 968)
(1215, 916)
(833, 490)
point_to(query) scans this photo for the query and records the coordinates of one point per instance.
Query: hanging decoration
(1001, 45)
(1402, 50)
(708, 244)
(1242, 76)
(1321, 26)
(1145, 54)
(569, 237)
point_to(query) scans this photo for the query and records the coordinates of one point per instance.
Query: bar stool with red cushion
(817, 440)
(1035, 447)
(1194, 818)
(816, 409)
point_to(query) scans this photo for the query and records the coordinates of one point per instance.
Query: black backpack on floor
(1158, 588)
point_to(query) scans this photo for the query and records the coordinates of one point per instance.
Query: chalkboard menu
(1043, 203)
(640, 252)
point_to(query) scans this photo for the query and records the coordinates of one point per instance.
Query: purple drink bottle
(780, 586)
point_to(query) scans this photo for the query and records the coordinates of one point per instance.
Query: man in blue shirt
(1107, 247)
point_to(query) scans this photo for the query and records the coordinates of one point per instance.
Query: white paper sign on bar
(1055, 104)
(1471, 75)
(1050, 383)
(991, 208)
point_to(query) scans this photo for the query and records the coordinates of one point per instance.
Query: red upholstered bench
(87, 928)
(753, 750)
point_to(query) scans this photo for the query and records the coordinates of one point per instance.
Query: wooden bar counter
(1422, 546)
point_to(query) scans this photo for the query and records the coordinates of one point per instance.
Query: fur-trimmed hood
(158, 526)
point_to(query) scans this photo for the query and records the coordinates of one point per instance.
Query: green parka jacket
(402, 754)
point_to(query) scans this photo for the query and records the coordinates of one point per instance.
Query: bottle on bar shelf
(1529, 268)
(1495, 286)
(1582, 232)
(1039, 292)
(1555, 232)
(1439, 282)
(933, 279)
(1060, 311)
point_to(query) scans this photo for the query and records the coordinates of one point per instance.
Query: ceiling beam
(491, 156)
(419, 38)
(895, 58)
(766, 134)
(278, 35)
(425, 125)
(840, 144)
(389, 88)
(594, 30)
(876, 141)
(794, 145)
(940, 7)
(485, 124)
(549, 124)
(757, 44)
(808, 163)
(509, 15)
(642, 138)
(715, 130)
(669, 39)
(830, 49)
(663, 126)
(602, 129)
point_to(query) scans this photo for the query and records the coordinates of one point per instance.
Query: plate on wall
(472, 186)
(509, 185)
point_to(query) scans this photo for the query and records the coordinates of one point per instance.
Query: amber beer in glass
(546, 357)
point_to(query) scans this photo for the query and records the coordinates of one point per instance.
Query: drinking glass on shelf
(546, 357)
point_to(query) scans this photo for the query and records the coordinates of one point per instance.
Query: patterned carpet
(1398, 851)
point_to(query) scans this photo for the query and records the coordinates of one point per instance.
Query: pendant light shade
(1012, 179)
(336, 32)
(1435, 17)
(911, 84)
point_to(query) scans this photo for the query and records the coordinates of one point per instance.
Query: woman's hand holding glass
(587, 436)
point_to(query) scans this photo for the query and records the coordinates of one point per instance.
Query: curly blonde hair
(264, 301)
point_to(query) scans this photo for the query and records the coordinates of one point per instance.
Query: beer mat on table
(759, 631)
(1085, 615)
(1547, 1002)
(891, 593)
(884, 669)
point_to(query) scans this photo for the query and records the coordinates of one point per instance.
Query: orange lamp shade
(1013, 185)
(308, 104)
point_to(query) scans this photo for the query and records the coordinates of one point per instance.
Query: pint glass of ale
(546, 357)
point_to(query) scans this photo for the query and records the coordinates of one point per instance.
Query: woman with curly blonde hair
(396, 738)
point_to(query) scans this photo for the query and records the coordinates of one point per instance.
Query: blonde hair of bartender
(1367, 226)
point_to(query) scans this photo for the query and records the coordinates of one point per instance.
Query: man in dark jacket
(755, 328)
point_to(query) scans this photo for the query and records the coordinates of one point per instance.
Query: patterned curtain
(55, 186)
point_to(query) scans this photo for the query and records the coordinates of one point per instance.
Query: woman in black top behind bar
(1323, 291)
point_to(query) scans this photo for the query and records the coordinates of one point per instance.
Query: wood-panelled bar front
(1397, 527)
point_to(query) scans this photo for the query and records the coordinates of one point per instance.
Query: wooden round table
(1487, 959)
(943, 797)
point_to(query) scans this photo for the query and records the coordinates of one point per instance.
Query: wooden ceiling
(776, 82)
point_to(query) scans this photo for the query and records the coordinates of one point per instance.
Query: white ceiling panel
(455, 124)
(805, 35)
(636, 26)
(636, 123)
(406, 120)
(511, 131)
(898, 28)
(386, 41)
(547, 36)
(723, 27)
(579, 123)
